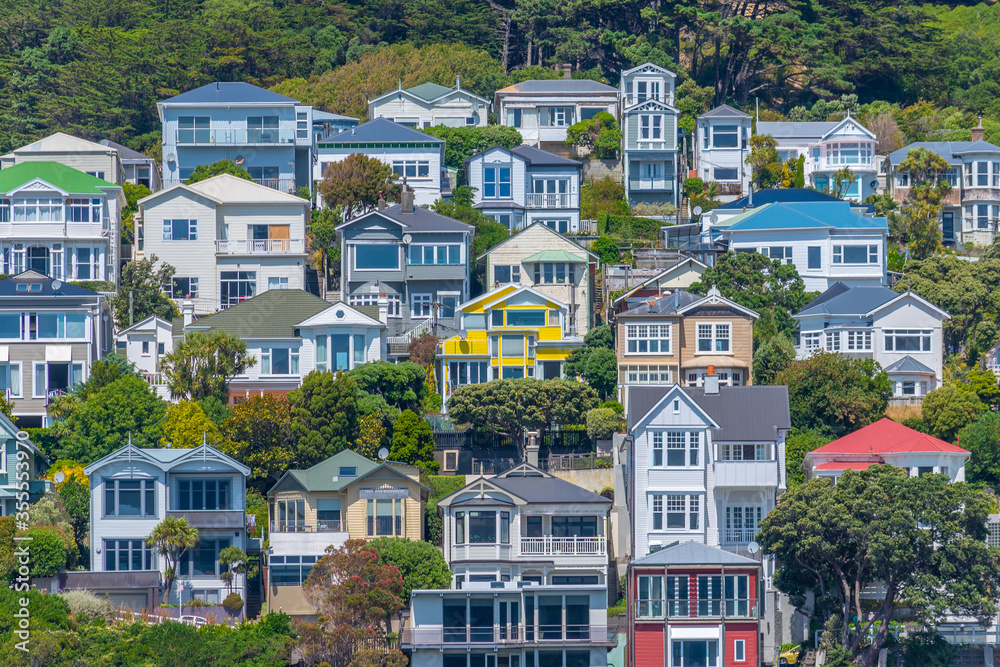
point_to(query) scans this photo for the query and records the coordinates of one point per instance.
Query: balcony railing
(549, 200)
(563, 546)
(51, 394)
(318, 526)
(746, 474)
(709, 608)
(383, 525)
(235, 137)
(601, 635)
(737, 536)
(260, 247)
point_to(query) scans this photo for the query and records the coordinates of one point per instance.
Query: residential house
(520, 186)
(228, 239)
(347, 496)
(291, 333)
(542, 110)
(51, 333)
(972, 207)
(694, 605)
(98, 160)
(59, 222)
(828, 147)
(431, 104)
(901, 331)
(721, 146)
(21, 463)
(828, 242)
(649, 132)
(681, 274)
(137, 169)
(326, 124)
(718, 216)
(132, 490)
(416, 258)
(543, 259)
(267, 134)
(415, 157)
(705, 464)
(510, 332)
(887, 443)
(146, 343)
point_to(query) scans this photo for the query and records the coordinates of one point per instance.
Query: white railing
(549, 200)
(510, 634)
(563, 546)
(738, 536)
(282, 184)
(235, 137)
(404, 340)
(260, 246)
(155, 379)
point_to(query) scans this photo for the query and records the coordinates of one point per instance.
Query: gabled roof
(715, 298)
(272, 314)
(563, 256)
(764, 197)
(125, 152)
(886, 437)
(229, 189)
(643, 400)
(522, 289)
(143, 325)
(694, 553)
(225, 92)
(381, 131)
(60, 142)
(538, 158)
(908, 365)
(949, 151)
(861, 301)
(559, 87)
(978, 146)
(166, 458)
(647, 67)
(45, 287)
(420, 220)
(724, 111)
(538, 225)
(532, 485)
(325, 475)
(429, 91)
(7, 427)
(65, 179)
(340, 311)
(806, 215)
(320, 116)
(852, 122)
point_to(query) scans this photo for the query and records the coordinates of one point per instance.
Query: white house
(901, 331)
(145, 343)
(721, 146)
(828, 146)
(431, 104)
(827, 241)
(543, 109)
(132, 490)
(228, 239)
(413, 155)
(98, 160)
(520, 186)
(649, 134)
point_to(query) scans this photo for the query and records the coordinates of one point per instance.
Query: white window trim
(693, 441)
(713, 351)
(687, 496)
(17, 392)
(740, 646)
(420, 296)
(354, 257)
(669, 338)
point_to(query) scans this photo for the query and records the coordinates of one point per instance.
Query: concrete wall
(592, 480)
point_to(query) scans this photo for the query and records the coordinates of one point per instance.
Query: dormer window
(29, 287)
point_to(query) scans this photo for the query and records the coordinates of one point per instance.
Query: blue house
(269, 135)
(649, 131)
(11, 476)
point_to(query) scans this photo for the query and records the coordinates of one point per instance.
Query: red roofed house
(887, 442)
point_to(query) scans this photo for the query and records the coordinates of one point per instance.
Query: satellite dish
(753, 547)
(59, 477)
(407, 239)
(383, 453)
(239, 159)
(104, 142)
(697, 210)
(714, 218)
(171, 157)
(56, 284)
(874, 184)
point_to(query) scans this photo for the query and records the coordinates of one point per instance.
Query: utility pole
(130, 307)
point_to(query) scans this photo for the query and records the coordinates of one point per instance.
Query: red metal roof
(847, 465)
(887, 437)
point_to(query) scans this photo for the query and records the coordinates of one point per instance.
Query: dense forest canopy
(97, 67)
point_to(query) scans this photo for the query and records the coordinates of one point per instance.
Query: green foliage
(927, 649)
(75, 497)
(601, 134)
(765, 164)
(323, 242)
(948, 409)
(257, 506)
(440, 486)
(186, 425)
(133, 193)
(48, 552)
(602, 196)
(206, 171)
(355, 184)
(602, 423)
(797, 445)
(421, 563)
(834, 394)
(462, 142)
(509, 406)
(488, 232)
(981, 438)
(259, 434)
(629, 227)
(143, 280)
(402, 385)
(772, 357)
(172, 538)
(203, 363)
(413, 442)
(8, 563)
(929, 186)
(595, 361)
(614, 406)
(324, 416)
(984, 383)
(233, 603)
(606, 249)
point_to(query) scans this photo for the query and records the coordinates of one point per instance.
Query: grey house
(417, 258)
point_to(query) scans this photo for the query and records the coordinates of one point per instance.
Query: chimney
(406, 201)
(567, 71)
(978, 131)
(458, 81)
(381, 202)
(383, 309)
(187, 310)
(711, 383)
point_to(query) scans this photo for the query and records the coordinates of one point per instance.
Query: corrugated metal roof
(229, 92)
(725, 111)
(559, 86)
(547, 490)
(8, 287)
(908, 365)
(320, 116)
(806, 215)
(839, 299)
(421, 220)
(273, 314)
(764, 197)
(125, 152)
(429, 91)
(948, 150)
(796, 129)
(885, 437)
(555, 256)
(381, 131)
(65, 178)
(539, 157)
(694, 553)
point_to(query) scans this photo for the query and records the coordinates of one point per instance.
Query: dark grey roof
(125, 152)
(8, 287)
(978, 146)
(694, 553)
(848, 300)
(547, 490)
(381, 130)
(907, 365)
(742, 413)
(948, 150)
(664, 305)
(235, 92)
(725, 111)
(792, 129)
(538, 158)
(473, 502)
(422, 220)
(562, 86)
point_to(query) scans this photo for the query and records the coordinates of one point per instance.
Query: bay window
(859, 341)
(811, 341)
(83, 210)
(38, 209)
(429, 254)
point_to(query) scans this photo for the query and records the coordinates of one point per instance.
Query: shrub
(654, 210)
(602, 423)
(48, 552)
(85, 603)
(614, 406)
(607, 492)
(198, 602)
(630, 227)
(233, 602)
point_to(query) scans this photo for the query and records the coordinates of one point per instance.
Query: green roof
(555, 256)
(429, 91)
(325, 475)
(273, 314)
(58, 175)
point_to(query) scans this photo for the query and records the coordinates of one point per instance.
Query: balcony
(296, 526)
(591, 635)
(260, 247)
(212, 519)
(235, 137)
(460, 552)
(563, 546)
(697, 609)
(549, 200)
(734, 474)
(734, 537)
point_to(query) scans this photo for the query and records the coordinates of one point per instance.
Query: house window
(496, 183)
(236, 287)
(695, 653)
(420, 305)
(725, 174)
(657, 512)
(126, 555)
(277, 282)
(385, 517)
(647, 338)
(145, 347)
(514, 117)
(411, 168)
(96, 174)
(681, 512)
(36, 209)
(647, 90)
(322, 358)
(360, 349)
(181, 288)
(740, 650)
(908, 340)
(53, 326)
(741, 523)
(780, 253)
(279, 361)
(725, 136)
(10, 380)
(203, 494)
(381, 256)
(908, 388)
(86, 264)
(429, 254)
(129, 497)
(650, 596)
(849, 153)
(348, 471)
(203, 559)
(859, 341)
(83, 210)
(756, 452)
(301, 125)
(193, 129)
(459, 527)
(651, 127)
(504, 274)
(811, 341)
(450, 461)
(815, 257)
(833, 341)
(555, 116)
(526, 318)
(855, 254)
(180, 230)
(262, 129)
(713, 338)
(290, 570)
(736, 593)
(553, 273)
(393, 307)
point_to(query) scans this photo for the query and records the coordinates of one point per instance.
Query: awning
(554, 256)
(58, 353)
(718, 362)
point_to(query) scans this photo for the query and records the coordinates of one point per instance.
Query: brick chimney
(978, 131)
(406, 201)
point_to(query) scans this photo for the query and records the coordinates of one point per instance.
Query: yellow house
(514, 331)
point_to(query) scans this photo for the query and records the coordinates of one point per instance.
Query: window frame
(147, 487)
(714, 339)
(638, 336)
(872, 254)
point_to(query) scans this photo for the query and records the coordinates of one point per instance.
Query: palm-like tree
(172, 538)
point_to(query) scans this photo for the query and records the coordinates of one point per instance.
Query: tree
(921, 539)
(48, 552)
(834, 394)
(980, 438)
(172, 538)
(323, 243)
(140, 293)
(75, 497)
(185, 425)
(423, 349)
(488, 232)
(765, 164)
(984, 383)
(602, 196)
(372, 435)
(133, 193)
(606, 249)
(601, 134)
(206, 171)
(772, 357)
(259, 434)
(356, 183)
(402, 385)
(462, 142)
(510, 406)
(797, 445)
(413, 442)
(948, 409)
(420, 563)
(234, 560)
(841, 182)
(929, 186)
(203, 363)
(602, 423)
(324, 416)
(601, 371)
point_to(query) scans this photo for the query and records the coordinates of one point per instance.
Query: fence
(587, 461)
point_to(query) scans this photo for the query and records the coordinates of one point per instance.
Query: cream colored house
(98, 160)
(545, 260)
(345, 497)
